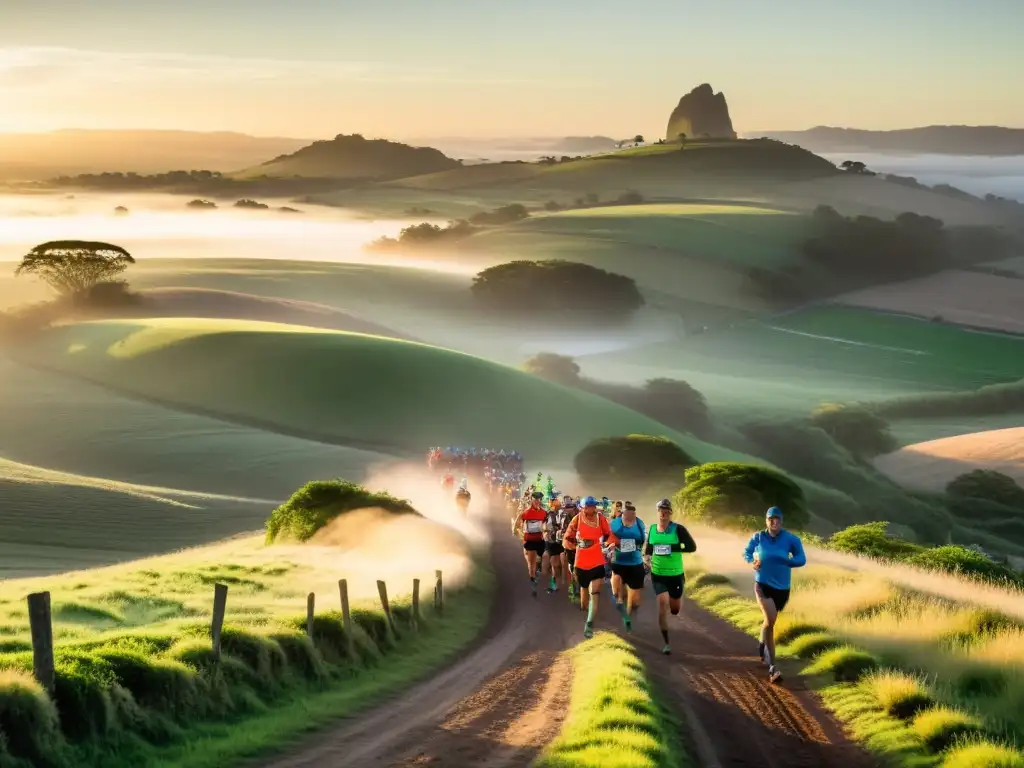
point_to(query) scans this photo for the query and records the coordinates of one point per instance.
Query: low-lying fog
(160, 226)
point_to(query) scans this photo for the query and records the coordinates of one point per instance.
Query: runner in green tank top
(663, 554)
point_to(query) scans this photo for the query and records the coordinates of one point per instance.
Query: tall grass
(614, 720)
(922, 676)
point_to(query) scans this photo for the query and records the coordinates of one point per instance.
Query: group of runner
(581, 543)
(501, 472)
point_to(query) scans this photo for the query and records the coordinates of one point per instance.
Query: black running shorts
(633, 575)
(554, 548)
(671, 584)
(584, 577)
(778, 596)
(534, 546)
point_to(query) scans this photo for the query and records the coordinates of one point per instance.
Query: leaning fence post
(415, 603)
(41, 627)
(439, 593)
(382, 588)
(310, 613)
(347, 617)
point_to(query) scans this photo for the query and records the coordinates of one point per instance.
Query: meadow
(365, 392)
(926, 669)
(137, 683)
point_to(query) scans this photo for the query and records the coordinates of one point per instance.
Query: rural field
(150, 450)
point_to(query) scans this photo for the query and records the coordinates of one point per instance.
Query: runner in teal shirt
(628, 572)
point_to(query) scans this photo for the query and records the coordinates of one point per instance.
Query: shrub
(989, 400)
(942, 727)
(989, 485)
(561, 287)
(737, 495)
(871, 540)
(319, 502)
(863, 433)
(983, 755)
(28, 720)
(561, 369)
(953, 558)
(787, 632)
(899, 694)
(846, 664)
(631, 459)
(812, 644)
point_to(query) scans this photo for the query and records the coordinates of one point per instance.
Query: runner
(554, 529)
(663, 555)
(529, 523)
(546, 568)
(628, 572)
(584, 535)
(773, 553)
(617, 510)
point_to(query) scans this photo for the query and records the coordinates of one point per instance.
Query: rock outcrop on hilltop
(701, 113)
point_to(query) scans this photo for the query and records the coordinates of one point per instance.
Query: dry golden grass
(932, 464)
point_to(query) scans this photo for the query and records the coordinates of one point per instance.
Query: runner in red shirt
(529, 524)
(585, 534)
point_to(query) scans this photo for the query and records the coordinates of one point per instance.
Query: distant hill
(39, 156)
(585, 144)
(354, 157)
(990, 140)
(701, 113)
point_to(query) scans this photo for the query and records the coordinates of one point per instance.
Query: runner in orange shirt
(585, 534)
(530, 524)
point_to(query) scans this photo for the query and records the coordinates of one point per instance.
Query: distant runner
(628, 573)
(584, 535)
(554, 530)
(663, 554)
(773, 553)
(530, 523)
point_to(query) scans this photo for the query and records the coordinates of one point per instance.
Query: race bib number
(627, 545)
(583, 543)
(663, 549)
(533, 526)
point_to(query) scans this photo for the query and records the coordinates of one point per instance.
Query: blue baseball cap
(773, 512)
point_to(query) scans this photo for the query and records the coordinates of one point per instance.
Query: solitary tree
(682, 140)
(638, 139)
(71, 266)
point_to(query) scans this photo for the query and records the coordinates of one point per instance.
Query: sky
(490, 68)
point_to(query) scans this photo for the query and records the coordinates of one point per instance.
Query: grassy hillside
(932, 464)
(339, 387)
(794, 361)
(136, 681)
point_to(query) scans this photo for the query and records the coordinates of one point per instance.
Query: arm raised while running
(748, 551)
(796, 549)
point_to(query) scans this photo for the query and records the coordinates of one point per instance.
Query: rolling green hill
(343, 388)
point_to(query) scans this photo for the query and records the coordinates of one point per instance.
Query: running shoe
(628, 622)
(588, 630)
(774, 674)
(667, 649)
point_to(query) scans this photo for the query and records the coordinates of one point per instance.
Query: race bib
(663, 549)
(533, 526)
(583, 543)
(627, 545)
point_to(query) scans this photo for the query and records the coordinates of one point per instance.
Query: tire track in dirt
(736, 717)
(496, 707)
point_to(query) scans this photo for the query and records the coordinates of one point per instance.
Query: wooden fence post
(439, 593)
(310, 613)
(347, 618)
(415, 603)
(41, 627)
(382, 589)
(220, 603)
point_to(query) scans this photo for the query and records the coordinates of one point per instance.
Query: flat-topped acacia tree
(72, 266)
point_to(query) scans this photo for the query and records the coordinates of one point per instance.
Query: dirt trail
(496, 707)
(507, 697)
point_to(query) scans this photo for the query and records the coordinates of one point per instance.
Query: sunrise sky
(404, 68)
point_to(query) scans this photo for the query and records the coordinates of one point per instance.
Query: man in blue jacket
(772, 553)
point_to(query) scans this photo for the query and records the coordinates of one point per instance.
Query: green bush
(989, 400)
(846, 664)
(812, 644)
(871, 540)
(737, 495)
(319, 502)
(860, 431)
(632, 460)
(989, 485)
(28, 720)
(942, 727)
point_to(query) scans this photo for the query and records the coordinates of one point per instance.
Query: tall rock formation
(701, 113)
